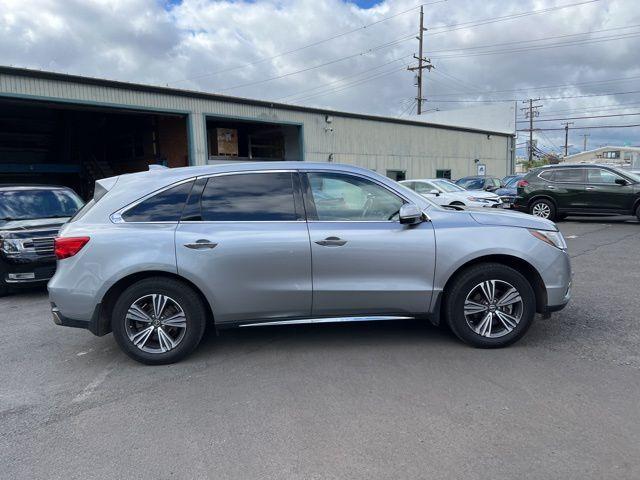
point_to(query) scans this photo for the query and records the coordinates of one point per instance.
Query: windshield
(448, 186)
(32, 204)
(471, 183)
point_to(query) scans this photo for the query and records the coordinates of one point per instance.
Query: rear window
(471, 183)
(165, 206)
(548, 175)
(249, 197)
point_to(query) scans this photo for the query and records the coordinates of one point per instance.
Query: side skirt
(324, 320)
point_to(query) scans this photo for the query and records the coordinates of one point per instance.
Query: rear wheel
(158, 321)
(490, 305)
(543, 208)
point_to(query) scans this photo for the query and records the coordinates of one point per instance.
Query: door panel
(382, 268)
(568, 189)
(247, 245)
(257, 269)
(602, 193)
(364, 261)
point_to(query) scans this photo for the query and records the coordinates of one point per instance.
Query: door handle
(201, 244)
(551, 187)
(590, 188)
(331, 242)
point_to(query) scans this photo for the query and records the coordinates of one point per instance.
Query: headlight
(11, 246)
(554, 239)
(478, 199)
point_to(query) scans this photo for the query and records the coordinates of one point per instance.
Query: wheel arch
(529, 271)
(105, 308)
(543, 196)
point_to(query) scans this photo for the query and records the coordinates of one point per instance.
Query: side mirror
(435, 192)
(621, 181)
(410, 214)
(490, 188)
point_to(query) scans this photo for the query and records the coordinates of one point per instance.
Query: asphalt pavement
(347, 401)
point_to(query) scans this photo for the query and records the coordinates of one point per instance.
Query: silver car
(158, 256)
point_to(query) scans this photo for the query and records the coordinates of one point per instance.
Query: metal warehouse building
(72, 130)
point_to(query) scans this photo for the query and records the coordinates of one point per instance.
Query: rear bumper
(93, 324)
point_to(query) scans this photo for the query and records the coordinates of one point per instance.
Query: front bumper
(26, 270)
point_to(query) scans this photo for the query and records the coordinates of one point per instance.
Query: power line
(304, 47)
(447, 28)
(583, 118)
(593, 82)
(541, 47)
(583, 128)
(545, 98)
(324, 85)
(351, 84)
(331, 62)
(486, 21)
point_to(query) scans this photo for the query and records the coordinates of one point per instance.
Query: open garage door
(74, 145)
(245, 140)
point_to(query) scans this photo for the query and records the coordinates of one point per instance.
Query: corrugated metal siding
(369, 143)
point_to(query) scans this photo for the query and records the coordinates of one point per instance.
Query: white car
(444, 192)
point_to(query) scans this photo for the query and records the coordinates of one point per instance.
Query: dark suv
(556, 191)
(30, 218)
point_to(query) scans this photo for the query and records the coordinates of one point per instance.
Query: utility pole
(530, 112)
(422, 62)
(584, 145)
(566, 137)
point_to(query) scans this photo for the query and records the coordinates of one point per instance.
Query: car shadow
(618, 219)
(324, 336)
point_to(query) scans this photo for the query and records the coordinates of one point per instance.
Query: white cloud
(186, 44)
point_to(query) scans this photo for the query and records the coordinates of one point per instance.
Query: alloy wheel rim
(155, 323)
(493, 308)
(541, 210)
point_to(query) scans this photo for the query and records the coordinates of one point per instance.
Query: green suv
(556, 191)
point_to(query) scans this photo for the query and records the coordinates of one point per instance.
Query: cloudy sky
(353, 55)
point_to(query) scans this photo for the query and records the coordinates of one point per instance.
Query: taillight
(523, 183)
(66, 247)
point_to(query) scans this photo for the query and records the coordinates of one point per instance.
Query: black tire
(543, 205)
(638, 212)
(466, 282)
(184, 296)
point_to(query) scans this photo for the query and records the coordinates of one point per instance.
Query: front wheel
(158, 321)
(490, 305)
(543, 208)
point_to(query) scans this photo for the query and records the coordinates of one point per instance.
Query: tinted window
(570, 175)
(599, 175)
(40, 203)
(345, 197)
(165, 206)
(548, 175)
(249, 197)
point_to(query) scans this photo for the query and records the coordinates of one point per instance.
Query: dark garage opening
(230, 139)
(49, 143)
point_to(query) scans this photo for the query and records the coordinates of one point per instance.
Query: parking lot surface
(376, 400)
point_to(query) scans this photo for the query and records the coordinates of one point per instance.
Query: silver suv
(158, 256)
